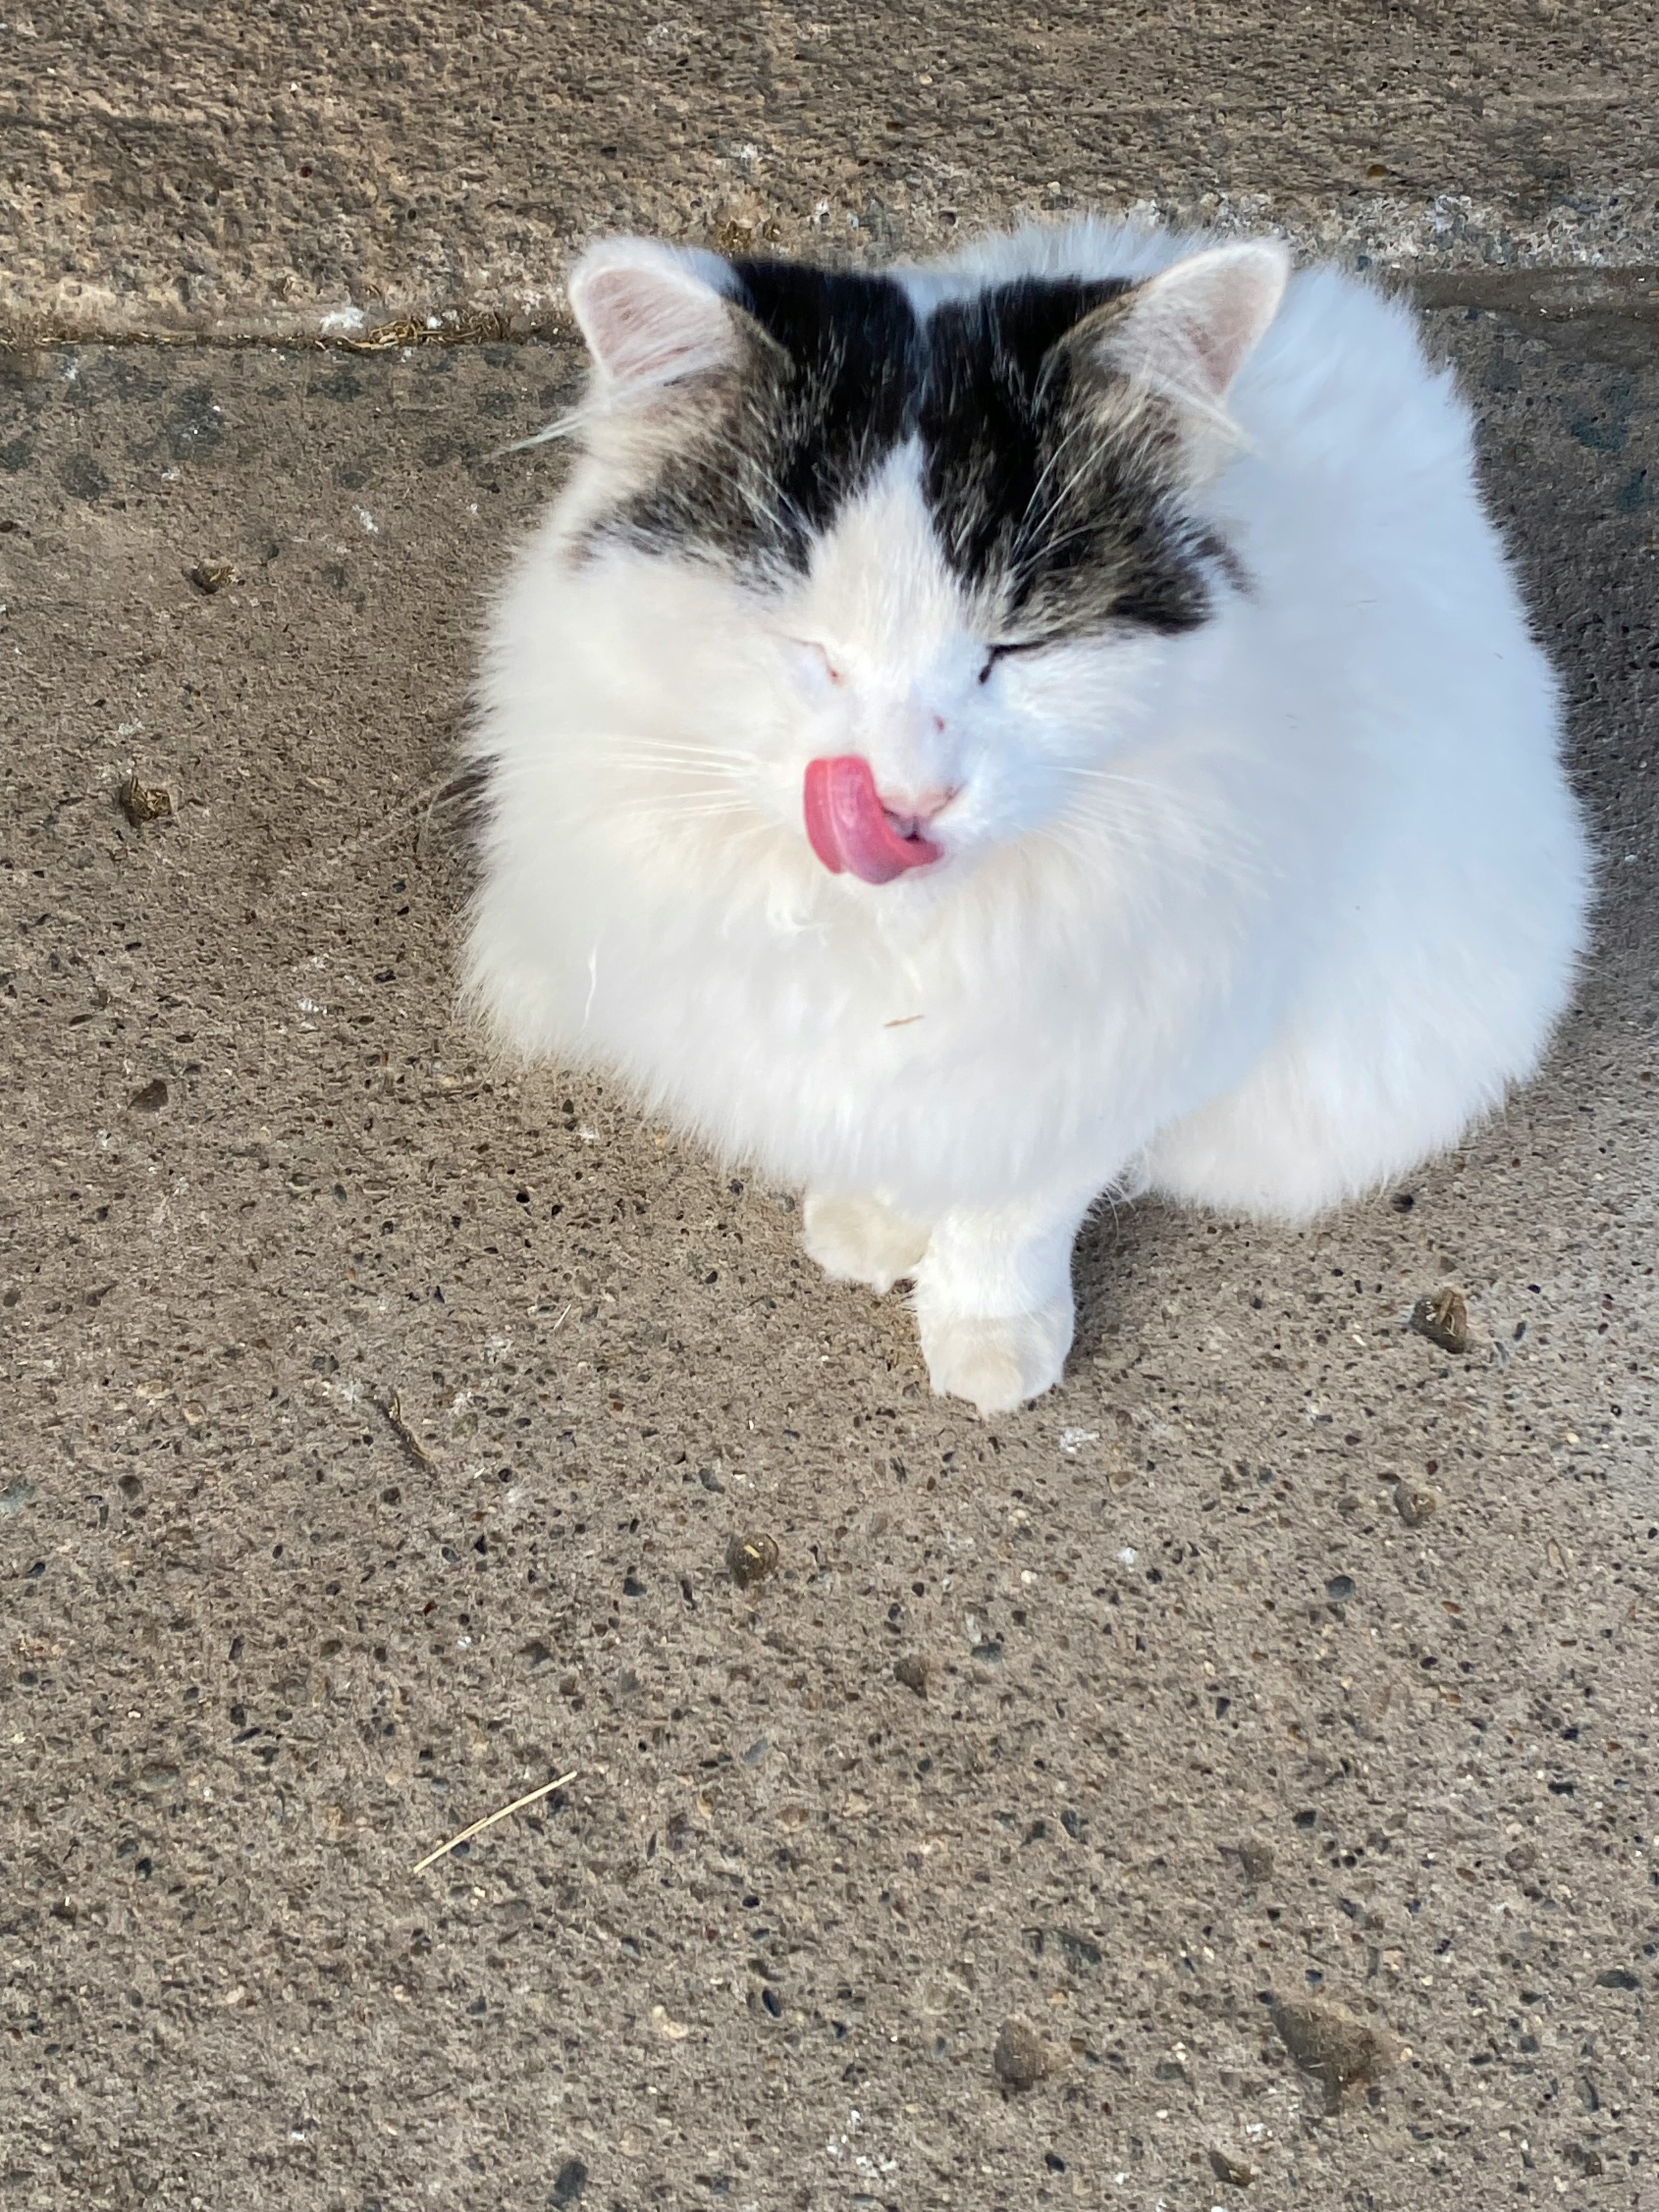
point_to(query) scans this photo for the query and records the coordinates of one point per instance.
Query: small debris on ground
(913, 1671)
(145, 802)
(1256, 1859)
(151, 1099)
(751, 1559)
(1333, 2046)
(1021, 2057)
(1414, 1504)
(454, 326)
(1443, 1318)
(393, 1410)
(1228, 2168)
(212, 576)
(570, 2183)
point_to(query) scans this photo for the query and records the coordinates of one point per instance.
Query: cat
(1051, 724)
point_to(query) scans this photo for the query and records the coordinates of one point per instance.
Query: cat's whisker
(1160, 821)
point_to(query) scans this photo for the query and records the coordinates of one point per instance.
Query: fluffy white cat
(1051, 723)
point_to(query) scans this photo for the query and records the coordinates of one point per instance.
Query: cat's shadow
(1117, 1252)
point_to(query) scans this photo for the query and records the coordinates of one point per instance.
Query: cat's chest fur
(941, 1050)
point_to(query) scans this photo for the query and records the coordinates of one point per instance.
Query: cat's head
(931, 552)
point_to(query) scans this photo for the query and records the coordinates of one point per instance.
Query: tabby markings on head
(1052, 484)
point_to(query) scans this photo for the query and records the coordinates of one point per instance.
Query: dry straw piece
(491, 1818)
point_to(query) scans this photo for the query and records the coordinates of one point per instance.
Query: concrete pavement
(380, 1424)
(183, 168)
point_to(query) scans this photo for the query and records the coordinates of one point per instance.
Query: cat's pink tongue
(849, 828)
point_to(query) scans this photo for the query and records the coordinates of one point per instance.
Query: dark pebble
(1443, 1318)
(751, 1559)
(570, 2183)
(1617, 1977)
(1338, 1588)
(913, 1671)
(1256, 1859)
(1021, 2057)
(151, 1099)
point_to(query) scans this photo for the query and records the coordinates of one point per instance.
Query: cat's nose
(910, 811)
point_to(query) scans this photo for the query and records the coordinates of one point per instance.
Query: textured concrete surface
(379, 1424)
(196, 167)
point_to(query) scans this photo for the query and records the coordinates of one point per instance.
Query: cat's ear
(1187, 332)
(653, 315)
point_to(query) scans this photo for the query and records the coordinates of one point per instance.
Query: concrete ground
(387, 1435)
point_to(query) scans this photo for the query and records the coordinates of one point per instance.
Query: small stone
(1340, 1589)
(151, 1099)
(1021, 2057)
(1332, 2046)
(1443, 1318)
(1617, 1977)
(1414, 1504)
(145, 802)
(1589, 2162)
(751, 1559)
(570, 2183)
(1522, 1858)
(212, 576)
(1225, 2167)
(913, 1671)
(1256, 1859)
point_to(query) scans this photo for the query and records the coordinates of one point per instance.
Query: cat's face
(925, 565)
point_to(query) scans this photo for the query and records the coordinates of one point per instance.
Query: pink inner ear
(849, 828)
(649, 318)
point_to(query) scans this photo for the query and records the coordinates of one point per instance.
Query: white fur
(1257, 917)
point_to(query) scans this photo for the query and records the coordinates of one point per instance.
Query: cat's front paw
(997, 1364)
(859, 1240)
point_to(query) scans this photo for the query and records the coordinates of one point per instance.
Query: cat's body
(935, 756)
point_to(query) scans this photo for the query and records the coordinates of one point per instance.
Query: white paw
(859, 1240)
(996, 1364)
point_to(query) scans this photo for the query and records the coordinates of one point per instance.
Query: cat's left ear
(1187, 332)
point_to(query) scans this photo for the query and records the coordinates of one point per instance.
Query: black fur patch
(856, 358)
(1057, 512)
(1057, 516)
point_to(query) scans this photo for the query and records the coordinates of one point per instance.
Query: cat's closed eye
(996, 653)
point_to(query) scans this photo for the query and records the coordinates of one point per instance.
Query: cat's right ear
(653, 315)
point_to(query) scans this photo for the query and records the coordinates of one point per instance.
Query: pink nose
(911, 812)
(852, 830)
